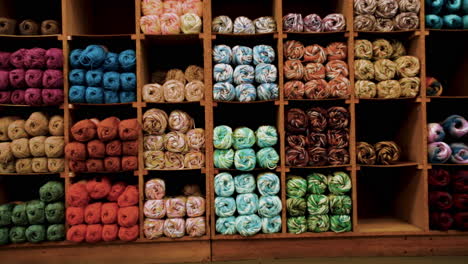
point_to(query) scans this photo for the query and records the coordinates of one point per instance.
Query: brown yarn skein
(365, 153)
(55, 165)
(50, 27)
(16, 130)
(20, 148)
(7, 26)
(4, 124)
(23, 166)
(56, 125)
(39, 165)
(28, 27)
(387, 152)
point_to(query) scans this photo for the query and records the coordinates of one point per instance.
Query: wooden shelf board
(447, 30)
(173, 103)
(448, 233)
(23, 106)
(57, 36)
(251, 102)
(100, 36)
(447, 165)
(243, 35)
(387, 99)
(76, 105)
(180, 37)
(310, 34)
(315, 100)
(239, 237)
(256, 169)
(180, 239)
(393, 165)
(386, 225)
(396, 32)
(320, 167)
(448, 97)
(30, 174)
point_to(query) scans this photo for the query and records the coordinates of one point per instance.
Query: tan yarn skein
(37, 124)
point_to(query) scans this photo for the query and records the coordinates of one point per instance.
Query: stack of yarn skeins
(254, 213)
(175, 86)
(450, 14)
(384, 152)
(34, 145)
(454, 131)
(169, 17)
(243, 25)
(99, 210)
(183, 146)
(324, 199)
(8, 26)
(382, 62)
(317, 136)
(172, 217)
(242, 140)
(313, 23)
(109, 145)
(244, 75)
(323, 70)
(31, 77)
(99, 76)
(386, 15)
(37, 220)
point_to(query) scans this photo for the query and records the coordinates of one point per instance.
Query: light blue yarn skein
(265, 73)
(268, 158)
(224, 91)
(267, 91)
(246, 92)
(128, 81)
(268, 184)
(226, 225)
(243, 137)
(222, 54)
(93, 56)
(243, 74)
(222, 72)
(242, 55)
(225, 206)
(75, 58)
(223, 158)
(111, 81)
(94, 78)
(244, 183)
(94, 95)
(269, 206)
(127, 60)
(271, 224)
(224, 184)
(248, 225)
(247, 203)
(263, 54)
(244, 159)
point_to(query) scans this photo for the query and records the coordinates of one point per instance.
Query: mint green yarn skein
(267, 136)
(244, 183)
(243, 137)
(223, 158)
(271, 224)
(268, 158)
(268, 183)
(248, 225)
(224, 184)
(222, 137)
(244, 159)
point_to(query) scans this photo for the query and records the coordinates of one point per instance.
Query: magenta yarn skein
(4, 60)
(17, 58)
(4, 79)
(54, 58)
(33, 97)
(5, 97)
(17, 97)
(52, 79)
(52, 96)
(33, 78)
(35, 58)
(17, 78)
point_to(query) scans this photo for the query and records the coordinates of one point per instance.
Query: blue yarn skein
(77, 77)
(111, 63)
(224, 91)
(265, 73)
(94, 78)
(269, 206)
(465, 6)
(263, 54)
(435, 6)
(271, 224)
(245, 159)
(111, 97)
(246, 92)
(224, 184)
(94, 95)
(75, 58)
(453, 5)
(268, 183)
(225, 206)
(452, 21)
(465, 21)
(76, 94)
(222, 54)
(434, 21)
(111, 81)
(93, 56)
(226, 225)
(127, 60)
(248, 225)
(243, 74)
(128, 81)
(267, 91)
(242, 55)
(127, 97)
(247, 203)
(244, 183)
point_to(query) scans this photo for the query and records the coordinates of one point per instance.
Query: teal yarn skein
(222, 137)
(92, 56)
(248, 225)
(244, 159)
(267, 136)
(268, 158)
(77, 94)
(111, 97)
(434, 21)
(226, 225)
(247, 203)
(111, 63)
(244, 183)
(269, 206)
(223, 158)
(225, 206)
(268, 184)
(271, 225)
(224, 184)
(127, 60)
(94, 78)
(243, 137)
(453, 6)
(452, 21)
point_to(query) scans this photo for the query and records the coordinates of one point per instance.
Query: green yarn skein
(340, 223)
(268, 158)
(316, 183)
(340, 204)
(6, 211)
(317, 204)
(56, 232)
(35, 233)
(267, 136)
(19, 215)
(339, 183)
(4, 236)
(243, 137)
(35, 211)
(296, 206)
(18, 234)
(222, 137)
(244, 159)
(223, 158)
(297, 225)
(318, 223)
(51, 191)
(296, 186)
(55, 213)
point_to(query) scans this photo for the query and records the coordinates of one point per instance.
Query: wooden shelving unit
(390, 211)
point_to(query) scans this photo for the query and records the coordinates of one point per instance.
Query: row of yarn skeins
(34, 145)
(383, 152)
(448, 196)
(37, 220)
(172, 216)
(318, 203)
(382, 61)
(264, 73)
(109, 145)
(451, 14)
(9, 26)
(243, 25)
(317, 136)
(168, 17)
(100, 210)
(241, 194)
(172, 142)
(386, 15)
(176, 86)
(243, 156)
(315, 72)
(31, 77)
(294, 22)
(99, 76)
(454, 131)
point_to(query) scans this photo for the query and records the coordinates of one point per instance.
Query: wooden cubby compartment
(391, 200)
(235, 9)
(31, 9)
(398, 121)
(103, 17)
(23, 188)
(447, 61)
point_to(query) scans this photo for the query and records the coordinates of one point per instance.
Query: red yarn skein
(77, 195)
(94, 233)
(109, 213)
(129, 197)
(128, 233)
(96, 149)
(128, 216)
(117, 189)
(129, 129)
(112, 164)
(108, 129)
(98, 187)
(110, 232)
(84, 130)
(92, 213)
(94, 165)
(77, 233)
(75, 215)
(75, 151)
